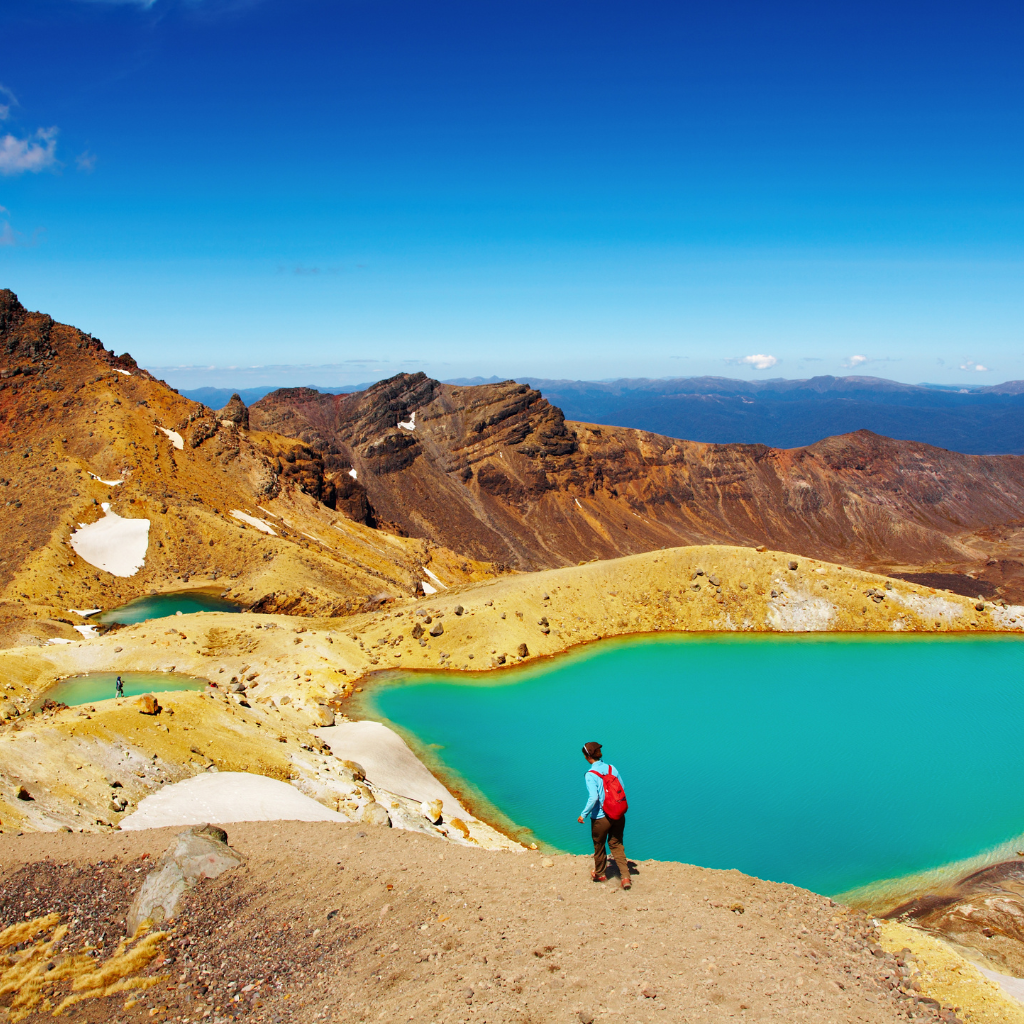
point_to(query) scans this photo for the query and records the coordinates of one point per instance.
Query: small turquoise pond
(825, 761)
(100, 686)
(159, 606)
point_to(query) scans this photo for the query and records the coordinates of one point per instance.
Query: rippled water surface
(824, 761)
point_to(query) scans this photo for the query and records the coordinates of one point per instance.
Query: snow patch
(388, 762)
(253, 521)
(224, 797)
(1013, 987)
(174, 436)
(352, 473)
(1010, 617)
(86, 631)
(577, 500)
(109, 483)
(125, 372)
(410, 424)
(428, 589)
(267, 510)
(85, 612)
(798, 611)
(116, 545)
(433, 577)
(59, 640)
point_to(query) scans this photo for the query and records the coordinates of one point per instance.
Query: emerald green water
(160, 606)
(825, 761)
(100, 686)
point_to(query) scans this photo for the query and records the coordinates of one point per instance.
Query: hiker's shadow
(613, 868)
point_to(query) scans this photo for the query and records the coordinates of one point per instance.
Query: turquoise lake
(160, 606)
(95, 686)
(825, 761)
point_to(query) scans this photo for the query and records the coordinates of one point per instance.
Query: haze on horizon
(564, 190)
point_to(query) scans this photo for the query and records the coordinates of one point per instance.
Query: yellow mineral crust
(950, 979)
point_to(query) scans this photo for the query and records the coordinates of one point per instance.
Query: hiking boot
(595, 877)
(627, 884)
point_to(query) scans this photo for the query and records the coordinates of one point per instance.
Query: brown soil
(362, 923)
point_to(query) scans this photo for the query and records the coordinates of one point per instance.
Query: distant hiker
(119, 687)
(606, 808)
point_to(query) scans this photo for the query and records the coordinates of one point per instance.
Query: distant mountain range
(780, 413)
(793, 413)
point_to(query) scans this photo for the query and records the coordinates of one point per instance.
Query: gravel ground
(352, 923)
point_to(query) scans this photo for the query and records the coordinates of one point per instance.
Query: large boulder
(199, 853)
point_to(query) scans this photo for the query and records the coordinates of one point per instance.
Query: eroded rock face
(199, 853)
(496, 471)
(983, 911)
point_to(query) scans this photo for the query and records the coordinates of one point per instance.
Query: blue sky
(520, 188)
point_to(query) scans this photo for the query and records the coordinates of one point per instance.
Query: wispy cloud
(758, 362)
(34, 154)
(8, 100)
(86, 162)
(970, 364)
(854, 361)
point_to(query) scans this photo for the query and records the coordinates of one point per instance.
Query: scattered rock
(431, 810)
(417, 631)
(24, 794)
(459, 609)
(547, 862)
(714, 581)
(523, 651)
(793, 565)
(979, 607)
(436, 629)
(148, 705)
(584, 1017)
(375, 814)
(649, 992)
(357, 770)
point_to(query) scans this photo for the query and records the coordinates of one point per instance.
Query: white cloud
(34, 154)
(760, 362)
(970, 364)
(855, 361)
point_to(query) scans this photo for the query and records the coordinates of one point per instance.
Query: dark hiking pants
(610, 830)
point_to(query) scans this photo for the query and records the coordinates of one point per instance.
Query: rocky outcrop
(236, 412)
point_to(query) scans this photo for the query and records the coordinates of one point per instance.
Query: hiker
(606, 808)
(119, 687)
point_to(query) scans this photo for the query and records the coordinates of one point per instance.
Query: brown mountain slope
(72, 416)
(496, 471)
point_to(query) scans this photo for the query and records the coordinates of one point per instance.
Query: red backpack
(614, 805)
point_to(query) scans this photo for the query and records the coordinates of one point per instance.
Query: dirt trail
(349, 923)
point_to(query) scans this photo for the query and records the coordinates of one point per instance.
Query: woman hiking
(606, 808)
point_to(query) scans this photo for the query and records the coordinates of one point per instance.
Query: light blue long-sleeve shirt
(595, 789)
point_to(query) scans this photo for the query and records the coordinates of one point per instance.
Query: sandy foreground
(343, 922)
